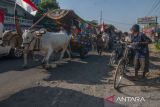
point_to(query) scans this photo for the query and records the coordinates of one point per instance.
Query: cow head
(27, 37)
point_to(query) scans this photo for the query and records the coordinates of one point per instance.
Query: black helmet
(136, 28)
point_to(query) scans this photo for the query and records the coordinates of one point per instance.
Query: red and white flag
(28, 5)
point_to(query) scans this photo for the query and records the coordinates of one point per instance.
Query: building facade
(26, 20)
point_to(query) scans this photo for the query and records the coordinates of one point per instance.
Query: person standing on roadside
(99, 44)
(2, 14)
(140, 45)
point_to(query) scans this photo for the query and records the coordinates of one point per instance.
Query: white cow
(94, 42)
(50, 42)
(105, 38)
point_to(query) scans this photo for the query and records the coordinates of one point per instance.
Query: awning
(64, 16)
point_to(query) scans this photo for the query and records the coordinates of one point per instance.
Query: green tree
(43, 7)
(46, 5)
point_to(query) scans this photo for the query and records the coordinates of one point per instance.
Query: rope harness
(36, 45)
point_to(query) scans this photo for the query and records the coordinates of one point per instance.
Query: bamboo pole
(15, 6)
(16, 20)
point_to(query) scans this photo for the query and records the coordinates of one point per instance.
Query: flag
(28, 5)
(2, 14)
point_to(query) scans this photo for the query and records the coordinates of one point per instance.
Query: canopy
(63, 16)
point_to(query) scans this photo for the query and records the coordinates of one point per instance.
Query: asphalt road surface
(75, 83)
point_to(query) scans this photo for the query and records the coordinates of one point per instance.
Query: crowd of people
(139, 45)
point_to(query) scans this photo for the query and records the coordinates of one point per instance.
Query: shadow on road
(154, 58)
(154, 66)
(155, 62)
(51, 97)
(92, 70)
(145, 87)
(10, 64)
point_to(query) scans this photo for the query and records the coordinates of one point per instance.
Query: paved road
(78, 83)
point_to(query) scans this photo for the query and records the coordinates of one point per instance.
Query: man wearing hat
(140, 44)
(1, 23)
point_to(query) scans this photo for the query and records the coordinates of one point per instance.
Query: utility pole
(156, 23)
(101, 17)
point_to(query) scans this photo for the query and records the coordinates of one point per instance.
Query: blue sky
(121, 13)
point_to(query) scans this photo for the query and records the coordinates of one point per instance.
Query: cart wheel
(119, 73)
(16, 53)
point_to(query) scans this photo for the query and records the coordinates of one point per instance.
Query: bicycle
(113, 58)
(122, 66)
(116, 54)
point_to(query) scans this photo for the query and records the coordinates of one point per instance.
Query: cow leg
(49, 53)
(69, 54)
(106, 47)
(62, 53)
(93, 47)
(25, 56)
(44, 59)
(61, 57)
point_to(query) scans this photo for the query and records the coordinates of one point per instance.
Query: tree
(46, 5)
(43, 7)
